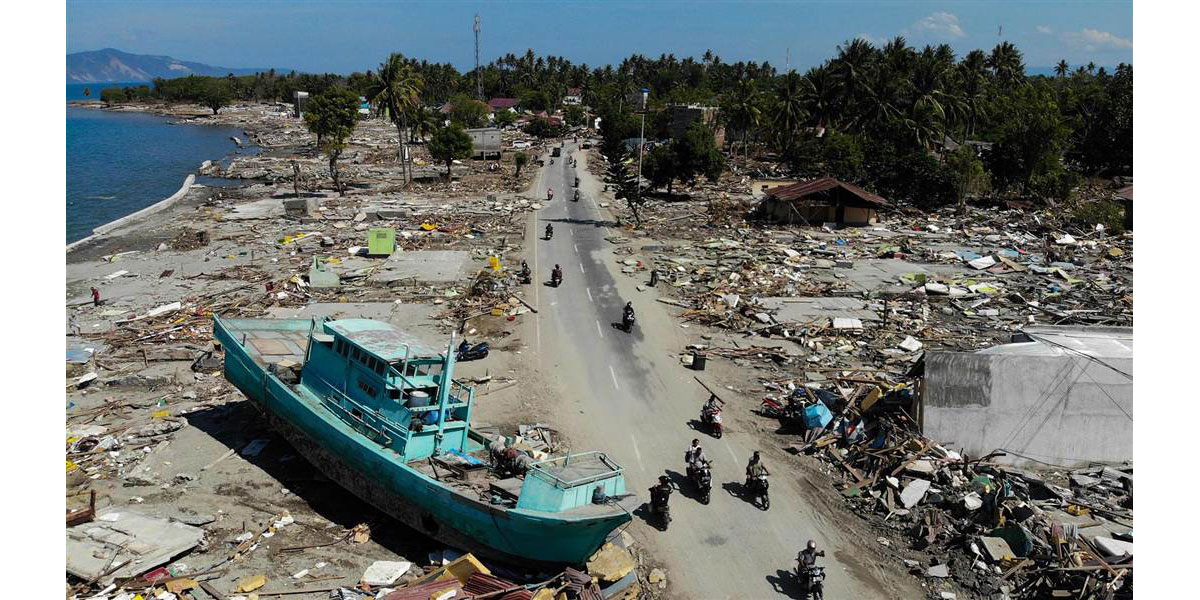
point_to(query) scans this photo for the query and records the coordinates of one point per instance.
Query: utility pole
(642, 140)
(788, 61)
(478, 74)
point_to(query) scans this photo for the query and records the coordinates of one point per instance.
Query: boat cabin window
(356, 354)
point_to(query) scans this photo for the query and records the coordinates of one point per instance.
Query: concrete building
(823, 200)
(299, 103)
(682, 116)
(1061, 395)
(573, 97)
(485, 142)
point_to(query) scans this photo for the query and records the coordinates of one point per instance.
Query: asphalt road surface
(627, 394)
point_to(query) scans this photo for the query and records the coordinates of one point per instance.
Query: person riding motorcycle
(556, 275)
(805, 561)
(808, 556)
(627, 315)
(755, 468)
(694, 457)
(524, 274)
(660, 494)
(549, 230)
(550, 191)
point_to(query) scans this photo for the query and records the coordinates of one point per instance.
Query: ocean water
(120, 163)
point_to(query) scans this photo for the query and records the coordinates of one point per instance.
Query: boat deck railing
(575, 470)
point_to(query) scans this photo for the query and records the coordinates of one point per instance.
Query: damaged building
(820, 201)
(1059, 395)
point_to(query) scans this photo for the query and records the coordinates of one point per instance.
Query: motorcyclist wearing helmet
(808, 556)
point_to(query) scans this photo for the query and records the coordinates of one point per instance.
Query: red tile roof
(796, 191)
(499, 103)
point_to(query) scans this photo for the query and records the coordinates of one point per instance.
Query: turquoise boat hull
(375, 474)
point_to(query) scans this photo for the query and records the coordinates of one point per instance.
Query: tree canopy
(331, 116)
(448, 144)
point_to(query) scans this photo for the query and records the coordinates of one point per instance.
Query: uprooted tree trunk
(333, 172)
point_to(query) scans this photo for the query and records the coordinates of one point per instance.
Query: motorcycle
(627, 321)
(577, 195)
(758, 491)
(525, 277)
(660, 507)
(549, 232)
(711, 418)
(549, 195)
(467, 352)
(576, 182)
(702, 479)
(555, 278)
(812, 581)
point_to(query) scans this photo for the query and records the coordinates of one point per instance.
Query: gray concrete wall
(1063, 410)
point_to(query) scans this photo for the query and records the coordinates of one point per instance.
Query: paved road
(628, 395)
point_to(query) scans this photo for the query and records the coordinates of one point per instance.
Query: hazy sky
(344, 36)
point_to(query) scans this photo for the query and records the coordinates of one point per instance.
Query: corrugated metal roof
(797, 191)
(1126, 193)
(425, 591)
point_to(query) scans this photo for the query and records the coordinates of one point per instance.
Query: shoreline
(101, 231)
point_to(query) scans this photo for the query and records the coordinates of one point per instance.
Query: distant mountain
(109, 65)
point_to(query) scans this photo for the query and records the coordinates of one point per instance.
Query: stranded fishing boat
(379, 413)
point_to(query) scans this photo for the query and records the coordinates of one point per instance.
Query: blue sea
(120, 163)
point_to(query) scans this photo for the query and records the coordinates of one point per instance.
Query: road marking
(575, 245)
(589, 291)
(730, 449)
(636, 452)
(598, 330)
(611, 371)
(581, 267)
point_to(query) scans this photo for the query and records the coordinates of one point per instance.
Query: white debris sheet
(122, 543)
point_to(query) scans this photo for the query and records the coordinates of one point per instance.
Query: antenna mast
(478, 74)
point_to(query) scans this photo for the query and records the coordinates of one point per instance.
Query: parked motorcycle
(467, 352)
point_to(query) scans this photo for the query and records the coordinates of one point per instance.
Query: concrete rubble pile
(1000, 531)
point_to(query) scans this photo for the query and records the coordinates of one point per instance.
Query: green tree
(113, 95)
(574, 115)
(422, 122)
(535, 100)
(448, 144)
(697, 154)
(520, 159)
(505, 117)
(618, 176)
(660, 167)
(542, 127)
(967, 174)
(397, 90)
(1030, 140)
(742, 111)
(331, 116)
(216, 95)
(468, 112)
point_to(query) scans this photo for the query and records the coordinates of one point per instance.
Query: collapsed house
(820, 201)
(1061, 395)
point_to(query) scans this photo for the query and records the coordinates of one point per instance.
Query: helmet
(812, 544)
(556, 266)
(664, 479)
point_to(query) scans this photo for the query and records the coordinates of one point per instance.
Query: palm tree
(973, 75)
(743, 110)
(1007, 64)
(397, 88)
(1061, 69)
(852, 70)
(821, 95)
(422, 122)
(789, 110)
